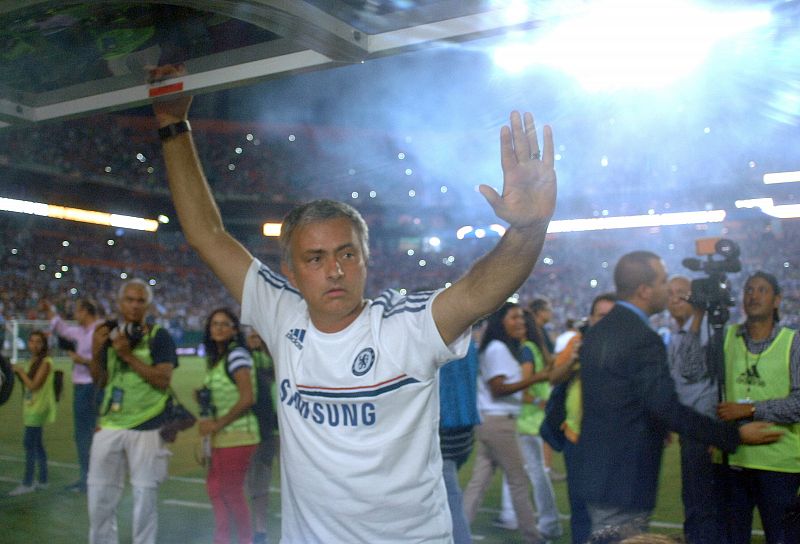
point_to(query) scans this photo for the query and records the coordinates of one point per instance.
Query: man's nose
(335, 269)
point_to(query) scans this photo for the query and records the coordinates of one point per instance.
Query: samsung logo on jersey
(350, 414)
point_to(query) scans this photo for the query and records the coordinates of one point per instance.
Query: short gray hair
(139, 283)
(321, 210)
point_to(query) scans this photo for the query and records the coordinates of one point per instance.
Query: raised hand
(529, 178)
(169, 110)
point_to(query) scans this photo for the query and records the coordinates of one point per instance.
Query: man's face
(601, 310)
(679, 290)
(82, 316)
(658, 289)
(328, 269)
(133, 305)
(760, 299)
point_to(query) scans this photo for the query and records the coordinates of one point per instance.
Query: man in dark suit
(630, 403)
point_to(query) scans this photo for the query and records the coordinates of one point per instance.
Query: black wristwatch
(170, 131)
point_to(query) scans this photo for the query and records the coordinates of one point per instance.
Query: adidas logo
(296, 336)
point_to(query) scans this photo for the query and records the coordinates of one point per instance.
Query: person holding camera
(762, 382)
(86, 397)
(227, 396)
(696, 388)
(133, 361)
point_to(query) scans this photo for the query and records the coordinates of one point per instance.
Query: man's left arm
(164, 357)
(527, 204)
(782, 410)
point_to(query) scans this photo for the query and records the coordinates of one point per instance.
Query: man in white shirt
(357, 385)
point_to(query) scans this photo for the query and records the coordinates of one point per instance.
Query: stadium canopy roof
(61, 58)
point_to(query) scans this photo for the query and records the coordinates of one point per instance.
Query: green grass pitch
(54, 515)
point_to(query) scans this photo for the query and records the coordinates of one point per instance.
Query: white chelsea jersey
(359, 416)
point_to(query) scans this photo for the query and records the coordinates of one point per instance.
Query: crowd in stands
(244, 162)
(288, 163)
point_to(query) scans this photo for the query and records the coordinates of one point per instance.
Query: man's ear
(643, 292)
(286, 270)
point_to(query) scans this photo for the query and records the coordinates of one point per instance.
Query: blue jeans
(34, 453)
(744, 489)
(579, 521)
(461, 532)
(697, 488)
(85, 403)
(531, 447)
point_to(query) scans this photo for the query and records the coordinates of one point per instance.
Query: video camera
(713, 293)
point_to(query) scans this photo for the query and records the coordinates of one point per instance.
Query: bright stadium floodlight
(754, 203)
(273, 230)
(637, 221)
(615, 44)
(77, 214)
(781, 211)
(785, 211)
(781, 177)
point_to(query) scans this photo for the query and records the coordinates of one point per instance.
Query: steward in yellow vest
(762, 382)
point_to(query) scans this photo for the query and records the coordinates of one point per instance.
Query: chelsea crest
(363, 361)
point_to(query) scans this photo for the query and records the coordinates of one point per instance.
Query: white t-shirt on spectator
(497, 360)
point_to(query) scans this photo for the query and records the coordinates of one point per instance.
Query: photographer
(133, 361)
(762, 382)
(697, 389)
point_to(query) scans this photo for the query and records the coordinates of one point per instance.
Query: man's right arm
(198, 213)
(57, 324)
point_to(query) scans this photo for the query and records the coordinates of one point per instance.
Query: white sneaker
(21, 489)
(41, 485)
